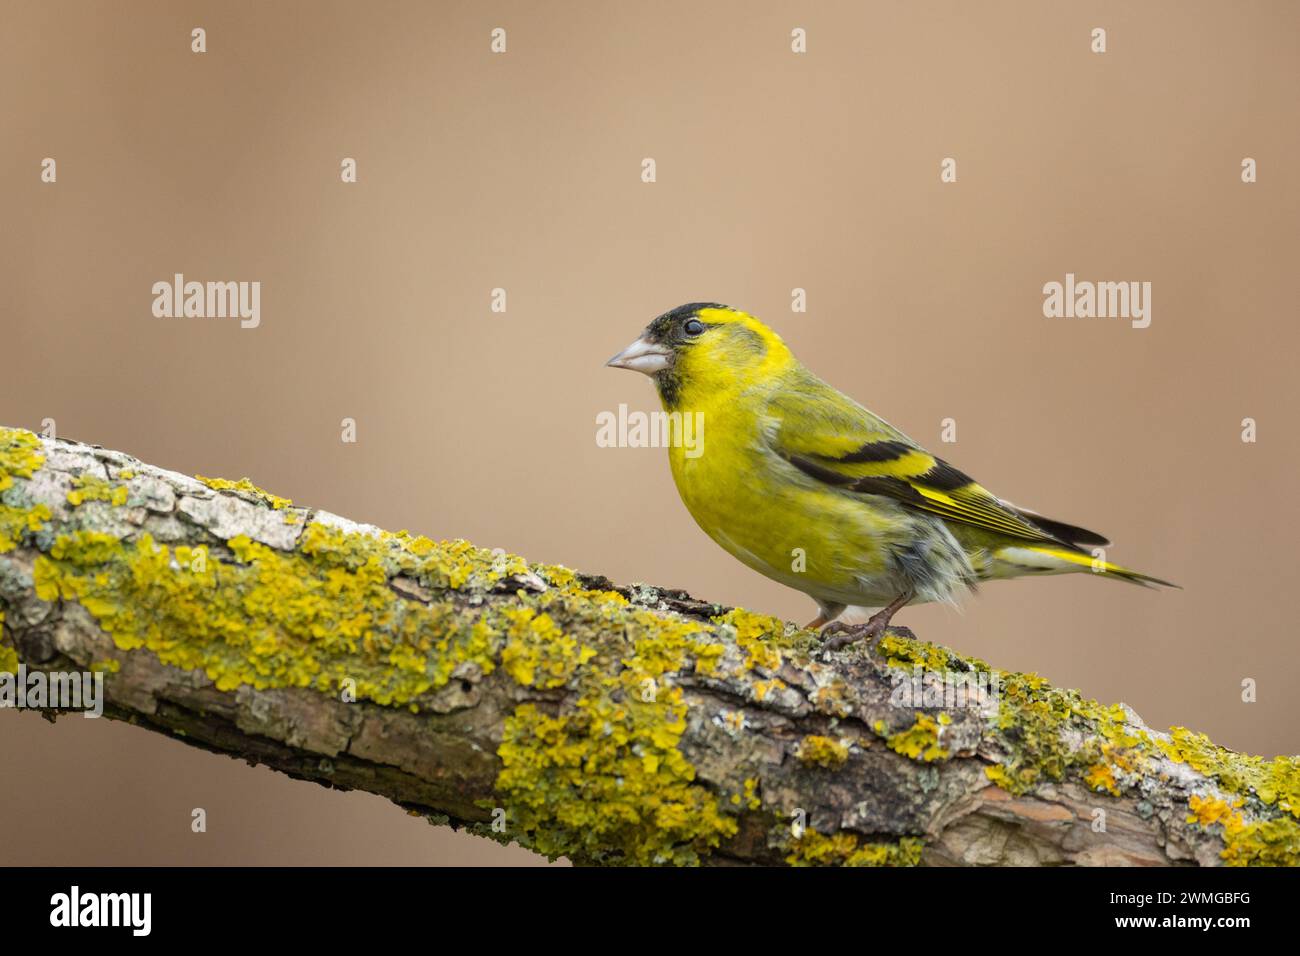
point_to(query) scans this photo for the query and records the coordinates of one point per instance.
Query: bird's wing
(833, 439)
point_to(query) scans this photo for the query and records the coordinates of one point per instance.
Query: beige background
(775, 171)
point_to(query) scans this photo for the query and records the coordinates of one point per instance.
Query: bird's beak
(642, 356)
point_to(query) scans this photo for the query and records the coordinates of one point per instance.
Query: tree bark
(608, 724)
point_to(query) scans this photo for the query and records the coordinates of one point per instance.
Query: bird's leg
(840, 635)
(829, 612)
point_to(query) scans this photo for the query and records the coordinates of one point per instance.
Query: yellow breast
(768, 515)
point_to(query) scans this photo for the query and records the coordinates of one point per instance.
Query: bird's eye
(693, 327)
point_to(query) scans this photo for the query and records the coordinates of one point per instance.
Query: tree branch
(533, 704)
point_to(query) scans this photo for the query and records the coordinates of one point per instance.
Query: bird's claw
(836, 636)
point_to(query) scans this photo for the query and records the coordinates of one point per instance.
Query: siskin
(791, 467)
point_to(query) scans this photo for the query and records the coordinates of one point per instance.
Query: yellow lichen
(458, 564)
(748, 798)
(1210, 810)
(822, 751)
(1002, 777)
(604, 781)
(1102, 777)
(537, 652)
(20, 457)
(917, 742)
(1275, 782)
(909, 653)
(1037, 722)
(559, 576)
(1273, 842)
(17, 522)
(88, 487)
(846, 849)
(707, 656)
(758, 635)
(248, 488)
(311, 618)
(1264, 843)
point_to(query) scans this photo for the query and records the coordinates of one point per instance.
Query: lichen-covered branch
(608, 724)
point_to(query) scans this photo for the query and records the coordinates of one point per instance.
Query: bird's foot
(841, 635)
(836, 636)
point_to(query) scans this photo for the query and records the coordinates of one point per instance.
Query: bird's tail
(1045, 558)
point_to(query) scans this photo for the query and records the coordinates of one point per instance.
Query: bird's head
(702, 347)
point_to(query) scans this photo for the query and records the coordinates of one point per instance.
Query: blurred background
(775, 171)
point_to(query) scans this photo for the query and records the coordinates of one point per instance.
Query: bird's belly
(810, 538)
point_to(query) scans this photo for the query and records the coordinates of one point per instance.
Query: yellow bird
(807, 487)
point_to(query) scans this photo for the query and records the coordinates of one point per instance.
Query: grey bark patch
(228, 516)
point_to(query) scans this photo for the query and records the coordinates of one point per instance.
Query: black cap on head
(661, 328)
